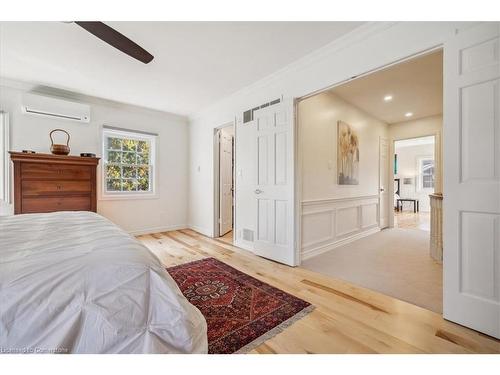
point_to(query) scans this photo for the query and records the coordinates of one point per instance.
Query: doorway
(414, 176)
(348, 137)
(224, 182)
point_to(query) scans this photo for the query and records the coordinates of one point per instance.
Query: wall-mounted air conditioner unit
(46, 106)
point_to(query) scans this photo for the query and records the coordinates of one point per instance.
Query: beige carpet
(394, 261)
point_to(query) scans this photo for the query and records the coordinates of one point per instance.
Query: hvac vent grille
(248, 115)
(248, 235)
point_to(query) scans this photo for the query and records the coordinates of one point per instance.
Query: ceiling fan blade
(116, 39)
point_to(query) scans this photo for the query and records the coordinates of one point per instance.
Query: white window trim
(4, 149)
(420, 180)
(129, 195)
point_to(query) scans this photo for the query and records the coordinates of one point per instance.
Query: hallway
(410, 220)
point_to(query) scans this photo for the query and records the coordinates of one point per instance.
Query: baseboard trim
(242, 246)
(324, 248)
(141, 232)
(201, 230)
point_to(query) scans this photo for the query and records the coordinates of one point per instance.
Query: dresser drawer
(51, 187)
(59, 171)
(51, 204)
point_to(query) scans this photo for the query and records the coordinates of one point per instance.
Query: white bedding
(74, 282)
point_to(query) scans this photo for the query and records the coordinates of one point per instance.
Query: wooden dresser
(47, 183)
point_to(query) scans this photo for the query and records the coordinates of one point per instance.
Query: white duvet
(73, 282)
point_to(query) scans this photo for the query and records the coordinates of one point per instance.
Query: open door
(225, 181)
(471, 155)
(383, 183)
(274, 188)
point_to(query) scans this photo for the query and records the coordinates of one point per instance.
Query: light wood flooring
(227, 238)
(410, 220)
(347, 319)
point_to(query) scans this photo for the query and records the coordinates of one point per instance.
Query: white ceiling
(195, 64)
(416, 86)
(414, 142)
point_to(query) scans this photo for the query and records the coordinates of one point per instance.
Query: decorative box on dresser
(48, 183)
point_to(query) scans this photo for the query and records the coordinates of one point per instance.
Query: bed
(73, 282)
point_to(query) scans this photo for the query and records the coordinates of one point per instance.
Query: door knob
(258, 191)
(381, 189)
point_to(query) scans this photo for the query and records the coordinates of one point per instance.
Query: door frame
(387, 208)
(4, 147)
(438, 168)
(216, 197)
(298, 153)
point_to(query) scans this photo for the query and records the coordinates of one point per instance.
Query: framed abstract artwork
(347, 154)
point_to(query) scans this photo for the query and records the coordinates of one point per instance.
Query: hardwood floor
(347, 319)
(227, 238)
(410, 220)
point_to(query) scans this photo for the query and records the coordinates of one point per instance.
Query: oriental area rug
(241, 311)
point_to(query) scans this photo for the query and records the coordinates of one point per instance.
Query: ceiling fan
(116, 39)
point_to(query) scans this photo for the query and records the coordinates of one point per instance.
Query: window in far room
(129, 163)
(426, 173)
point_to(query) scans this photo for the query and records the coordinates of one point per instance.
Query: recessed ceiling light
(387, 98)
(408, 114)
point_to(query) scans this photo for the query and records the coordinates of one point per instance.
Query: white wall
(169, 210)
(318, 118)
(331, 213)
(367, 48)
(408, 158)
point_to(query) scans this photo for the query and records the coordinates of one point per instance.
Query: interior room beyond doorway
(352, 228)
(414, 181)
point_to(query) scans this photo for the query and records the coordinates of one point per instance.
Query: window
(129, 162)
(426, 171)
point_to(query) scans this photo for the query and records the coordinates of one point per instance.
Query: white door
(274, 188)
(244, 185)
(383, 183)
(471, 156)
(225, 181)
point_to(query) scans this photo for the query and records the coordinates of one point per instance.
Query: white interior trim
(348, 219)
(437, 166)
(216, 140)
(4, 148)
(153, 138)
(141, 232)
(333, 200)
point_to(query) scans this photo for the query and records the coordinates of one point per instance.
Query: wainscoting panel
(318, 228)
(330, 223)
(347, 221)
(369, 215)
